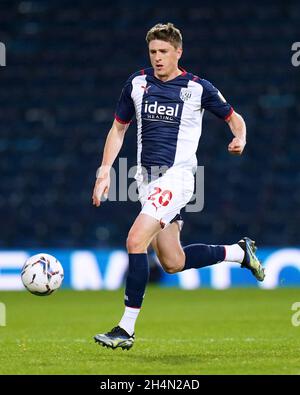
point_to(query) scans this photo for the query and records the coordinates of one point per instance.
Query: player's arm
(213, 101)
(112, 147)
(238, 127)
(124, 113)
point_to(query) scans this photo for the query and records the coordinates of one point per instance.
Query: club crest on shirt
(185, 94)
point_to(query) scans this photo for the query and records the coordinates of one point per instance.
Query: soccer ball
(42, 274)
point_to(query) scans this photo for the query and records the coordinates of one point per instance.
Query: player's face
(164, 58)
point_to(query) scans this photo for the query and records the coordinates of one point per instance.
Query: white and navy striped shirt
(169, 116)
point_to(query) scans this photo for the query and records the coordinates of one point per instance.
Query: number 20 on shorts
(160, 197)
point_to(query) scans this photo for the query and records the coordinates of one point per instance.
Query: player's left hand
(236, 147)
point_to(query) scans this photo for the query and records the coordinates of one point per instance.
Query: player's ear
(179, 52)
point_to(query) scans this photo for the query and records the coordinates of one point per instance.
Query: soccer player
(168, 103)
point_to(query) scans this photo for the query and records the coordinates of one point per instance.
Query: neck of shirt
(172, 76)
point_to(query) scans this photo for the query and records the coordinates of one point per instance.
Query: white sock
(234, 253)
(128, 320)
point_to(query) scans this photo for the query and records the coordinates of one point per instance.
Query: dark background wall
(66, 64)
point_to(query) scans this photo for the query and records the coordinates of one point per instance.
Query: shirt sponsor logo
(158, 112)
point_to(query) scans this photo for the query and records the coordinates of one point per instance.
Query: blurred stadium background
(66, 64)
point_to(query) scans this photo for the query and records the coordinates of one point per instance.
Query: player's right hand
(101, 188)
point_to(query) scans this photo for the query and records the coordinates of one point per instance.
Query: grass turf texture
(237, 331)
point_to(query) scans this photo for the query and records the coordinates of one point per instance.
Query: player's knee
(172, 265)
(134, 243)
(171, 269)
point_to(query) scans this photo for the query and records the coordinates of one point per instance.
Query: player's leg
(140, 235)
(178, 186)
(168, 249)
(243, 252)
(174, 258)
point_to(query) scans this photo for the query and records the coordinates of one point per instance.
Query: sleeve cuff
(229, 114)
(121, 120)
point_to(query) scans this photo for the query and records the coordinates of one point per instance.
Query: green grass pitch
(237, 331)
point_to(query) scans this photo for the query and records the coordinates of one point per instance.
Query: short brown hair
(165, 32)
